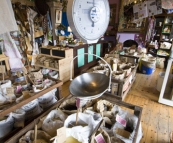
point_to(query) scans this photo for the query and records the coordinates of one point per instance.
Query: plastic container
(147, 70)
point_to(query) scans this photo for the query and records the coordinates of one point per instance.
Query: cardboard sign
(120, 120)
(24, 70)
(25, 94)
(99, 138)
(123, 133)
(61, 135)
(9, 91)
(2, 69)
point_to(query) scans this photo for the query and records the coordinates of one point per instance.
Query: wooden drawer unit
(125, 85)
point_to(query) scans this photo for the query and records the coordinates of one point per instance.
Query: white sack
(54, 120)
(47, 99)
(81, 133)
(32, 108)
(6, 125)
(19, 118)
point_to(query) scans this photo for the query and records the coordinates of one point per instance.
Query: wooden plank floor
(157, 119)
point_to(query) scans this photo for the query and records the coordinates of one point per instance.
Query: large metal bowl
(89, 85)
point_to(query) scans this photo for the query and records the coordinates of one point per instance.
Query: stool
(5, 58)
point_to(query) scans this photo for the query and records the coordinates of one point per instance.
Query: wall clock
(88, 19)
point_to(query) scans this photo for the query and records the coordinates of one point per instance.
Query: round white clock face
(88, 19)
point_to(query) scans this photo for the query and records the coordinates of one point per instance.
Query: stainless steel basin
(89, 85)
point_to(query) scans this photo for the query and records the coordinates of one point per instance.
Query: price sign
(24, 70)
(120, 120)
(38, 75)
(2, 69)
(99, 138)
(77, 102)
(10, 91)
(61, 135)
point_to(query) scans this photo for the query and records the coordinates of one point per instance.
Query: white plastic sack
(19, 118)
(79, 132)
(32, 108)
(42, 137)
(54, 120)
(6, 125)
(3, 97)
(47, 99)
(53, 74)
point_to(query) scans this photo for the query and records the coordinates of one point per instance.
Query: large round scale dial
(88, 19)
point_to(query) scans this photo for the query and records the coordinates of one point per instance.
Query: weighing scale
(89, 20)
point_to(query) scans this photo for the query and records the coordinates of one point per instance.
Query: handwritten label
(99, 138)
(120, 120)
(24, 70)
(38, 75)
(61, 135)
(2, 69)
(10, 91)
(77, 102)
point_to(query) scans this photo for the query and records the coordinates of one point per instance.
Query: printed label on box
(120, 120)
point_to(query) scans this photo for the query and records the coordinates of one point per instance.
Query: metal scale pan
(90, 85)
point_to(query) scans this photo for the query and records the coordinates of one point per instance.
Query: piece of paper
(123, 133)
(120, 120)
(61, 135)
(2, 69)
(99, 138)
(9, 91)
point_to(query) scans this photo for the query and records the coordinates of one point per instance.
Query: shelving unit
(63, 58)
(166, 98)
(15, 106)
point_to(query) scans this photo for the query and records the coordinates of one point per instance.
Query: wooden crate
(124, 86)
(137, 111)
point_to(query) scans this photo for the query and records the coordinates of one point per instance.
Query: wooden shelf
(38, 65)
(165, 33)
(15, 106)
